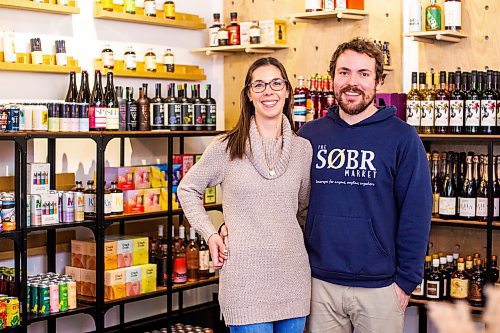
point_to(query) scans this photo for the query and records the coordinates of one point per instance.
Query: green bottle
(433, 17)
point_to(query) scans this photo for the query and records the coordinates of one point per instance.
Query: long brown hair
(238, 136)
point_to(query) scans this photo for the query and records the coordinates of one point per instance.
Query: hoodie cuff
(407, 286)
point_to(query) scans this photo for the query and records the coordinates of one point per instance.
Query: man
(370, 206)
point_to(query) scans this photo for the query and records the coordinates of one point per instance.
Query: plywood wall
(311, 45)
(480, 49)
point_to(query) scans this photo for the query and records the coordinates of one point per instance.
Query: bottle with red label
(300, 95)
(234, 30)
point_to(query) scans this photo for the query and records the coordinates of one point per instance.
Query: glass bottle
(108, 58)
(173, 109)
(180, 260)
(477, 283)
(150, 8)
(453, 15)
(204, 254)
(488, 107)
(413, 104)
(143, 112)
(169, 10)
(150, 61)
(129, 6)
(442, 121)
(107, 5)
(199, 109)
(428, 106)
(436, 183)
(448, 196)
(116, 199)
(168, 60)
(482, 193)
(72, 94)
(446, 277)
(234, 30)
(193, 257)
(130, 59)
(90, 196)
(211, 106)
(254, 33)
(122, 109)
(457, 105)
(419, 292)
(213, 30)
(97, 109)
(131, 106)
(434, 282)
(493, 270)
(112, 111)
(186, 109)
(300, 103)
(433, 16)
(162, 260)
(467, 199)
(223, 35)
(157, 110)
(496, 189)
(108, 201)
(313, 5)
(473, 107)
(459, 288)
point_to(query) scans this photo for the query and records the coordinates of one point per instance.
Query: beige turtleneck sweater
(267, 276)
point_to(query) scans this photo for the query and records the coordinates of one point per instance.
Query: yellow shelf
(50, 7)
(440, 35)
(182, 72)
(313, 17)
(254, 48)
(23, 64)
(181, 21)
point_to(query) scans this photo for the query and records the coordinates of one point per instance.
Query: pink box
(125, 176)
(152, 200)
(133, 201)
(141, 177)
(133, 277)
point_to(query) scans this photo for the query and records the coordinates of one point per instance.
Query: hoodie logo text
(355, 163)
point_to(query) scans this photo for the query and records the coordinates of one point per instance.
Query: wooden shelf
(424, 302)
(181, 21)
(431, 36)
(458, 222)
(24, 64)
(314, 17)
(182, 72)
(41, 7)
(460, 137)
(228, 50)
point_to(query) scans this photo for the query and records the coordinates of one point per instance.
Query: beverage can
(53, 111)
(44, 298)
(71, 293)
(83, 117)
(3, 118)
(3, 314)
(36, 210)
(74, 117)
(64, 117)
(13, 319)
(79, 203)
(68, 207)
(40, 118)
(8, 212)
(34, 298)
(63, 296)
(54, 297)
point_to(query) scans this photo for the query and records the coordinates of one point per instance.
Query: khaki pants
(340, 309)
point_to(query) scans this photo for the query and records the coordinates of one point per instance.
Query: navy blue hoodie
(371, 201)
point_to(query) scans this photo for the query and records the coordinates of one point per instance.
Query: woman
(263, 168)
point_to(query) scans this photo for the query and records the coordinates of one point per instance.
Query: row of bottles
(149, 7)
(457, 278)
(384, 48)
(312, 101)
(465, 103)
(326, 5)
(460, 185)
(432, 17)
(130, 60)
(110, 110)
(221, 35)
(191, 257)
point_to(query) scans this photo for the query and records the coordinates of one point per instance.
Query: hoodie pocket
(348, 246)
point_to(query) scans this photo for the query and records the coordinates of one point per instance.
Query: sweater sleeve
(207, 172)
(305, 187)
(414, 198)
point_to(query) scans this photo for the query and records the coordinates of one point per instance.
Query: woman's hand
(218, 250)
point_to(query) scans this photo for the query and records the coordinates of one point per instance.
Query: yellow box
(140, 254)
(272, 32)
(164, 198)
(110, 255)
(114, 284)
(210, 195)
(148, 282)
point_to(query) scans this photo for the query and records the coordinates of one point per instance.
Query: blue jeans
(294, 325)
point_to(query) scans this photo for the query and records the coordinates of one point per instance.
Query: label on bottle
(204, 260)
(150, 63)
(61, 59)
(234, 35)
(169, 9)
(459, 289)
(37, 57)
(213, 39)
(435, 203)
(476, 291)
(130, 61)
(144, 115)
(447, 206)
(187, 114)
(112, 118)
(174, 114)
(415, 16)
(496, 207)
(488, 113)
(180, 270)
(222, 34)
(442, 113)
(254, 32)
(139, 3)
(413, 113)
(108, 202)
(158, 116)
(200, 116)
(299, 113)
(108, 59)
(419, 290)
(481, 207)
(149, 8)
(168, 60)
(432, 19)
(445, 287)
(131, 117)
(313, 5)
(341, 4)
(117, 202)
(427, 116)
(467, 207)
(79, 199)
(193, 260)
(89, 202)
(457, 113)
(118, 2)
(212, 115)
(129, 6)
(122, 111)
(329, 5)
(452, 14)
(433, 289)
(472, 112)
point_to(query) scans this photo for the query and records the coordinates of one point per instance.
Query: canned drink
(53, 111)
(4, 118)
(14, 114)
(40, 118)
(8, 212)
(63, 296)
(83, 117)
(68, 207)
(43, 299)
(36, 210)
(22, 126)
(75, 119)
(79, 202)
(64, 117)
(28, 210)
(71, 293)
(13, 319)
(60, 205)
(3, 314)
(54, 297)
(27, 110)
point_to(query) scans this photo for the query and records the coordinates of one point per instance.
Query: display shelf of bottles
(51, 7)
(424, 302)
(313, 17)
(440, 35)
(24, 64)
(181, 21)
(195, 284)
(182, 72)
(457, 222)
(460, 137)
(87, 224)
(117, 134)
(252, 48)
(81, 308)
(142, 216)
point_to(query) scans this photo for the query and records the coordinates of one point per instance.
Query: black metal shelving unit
(97, 307)
(482, 140)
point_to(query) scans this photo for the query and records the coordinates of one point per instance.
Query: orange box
(90, 258)
(110, 255)
(78, 257)
(114, 284)
(88, 282)
(356, 4)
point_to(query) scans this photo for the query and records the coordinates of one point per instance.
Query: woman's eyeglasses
(260, 86)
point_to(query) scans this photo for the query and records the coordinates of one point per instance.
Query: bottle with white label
(413, 103)
(340, 4)
(415, 17)
(130, 59)
(434, 282)
(448, 196)
(329, 5)
(453, 15)
(496, 188)
(314, 5)
(108, 58)
(150, 61)
(9, 48)
(442, 117)
(489, 99)
(61, 58)
(89, 194)
(150, 8)
(204, 256)
(482, 192)
(473, 106)
(213, 40)
(108, 201)
(467, 198)
(168, 61)
(254, 33)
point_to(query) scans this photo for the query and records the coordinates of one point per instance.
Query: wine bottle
(112, 111)
(436, 183)
(473, 107)
(413, 103)
(467, 199)
(457, 105)
(131, 106)
(122, 109)
(199, 109)
(193, 257)
(448, 195)
(488, 107)
(157, 110)
(428, 106)
(211, 106)
(186, 109)
(143, 112)
(442, 120)
(173, 109)
(83, 100)
(72, 94)
(97, 109)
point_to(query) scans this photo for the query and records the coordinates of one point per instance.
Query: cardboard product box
(133, 277)
(141, 177)
(88, 282)
(273, 32)
(210, 195)
(133, 201)
(125, 177)
(152, 200)
(187, 163)
(148, 283)
(394, 99)
(159, 176)
(90, 258)
(355, 4)
(164, 198)
(114, 284)
(50, 210)
(75, 274)
(177, 171)
(38, 178)
(110, 255)
(244, 36)
(125, 248)
(78, 250)
(197, 157)
(140, 254)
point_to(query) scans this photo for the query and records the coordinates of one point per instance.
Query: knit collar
(256, 154)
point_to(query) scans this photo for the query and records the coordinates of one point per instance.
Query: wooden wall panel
(311, 45)
(480, 49)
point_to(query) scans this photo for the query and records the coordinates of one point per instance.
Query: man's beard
(357, 108)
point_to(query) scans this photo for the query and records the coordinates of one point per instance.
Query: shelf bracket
(341, 15)
(447, 38)
(422, 40)
(303, 20)
(260, 51)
